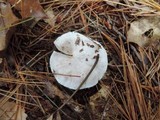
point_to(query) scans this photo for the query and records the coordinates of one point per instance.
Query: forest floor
(130, 88)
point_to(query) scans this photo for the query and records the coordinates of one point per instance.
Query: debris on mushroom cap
(144, 31)
(76, 56)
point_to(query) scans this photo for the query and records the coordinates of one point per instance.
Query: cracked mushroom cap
(74, 59)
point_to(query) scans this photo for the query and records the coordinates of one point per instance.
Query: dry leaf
(101, 95)
(145, 7)
(58, 117)
(112, 2)
(12, 111)
(51, 117)
(51, 19)
(29, 8)
(144, 31)
(52, 91)
(7, 19)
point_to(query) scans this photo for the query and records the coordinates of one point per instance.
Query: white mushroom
(77, 55)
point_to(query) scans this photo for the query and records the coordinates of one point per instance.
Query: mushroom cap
(76, 56)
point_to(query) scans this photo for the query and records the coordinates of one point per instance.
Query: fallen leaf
(51, 117)
(12, 111)
(112, 3)
(144, 31)
(52, 91)
(145, 7)
(58, 116)
(51, 19)
(98, 100)
(29, 8)
(7, 19)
